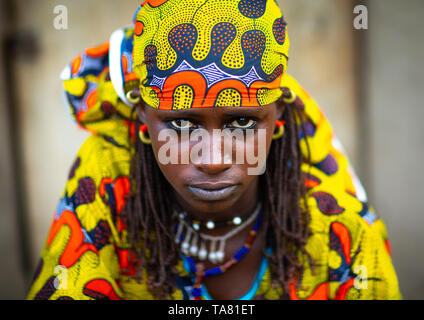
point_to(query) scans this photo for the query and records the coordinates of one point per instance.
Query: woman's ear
(279, 109)
(141, 112)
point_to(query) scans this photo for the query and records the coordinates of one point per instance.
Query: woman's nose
(213, 156)
(212, 168)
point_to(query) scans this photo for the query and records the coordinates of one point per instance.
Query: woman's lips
(212, 192)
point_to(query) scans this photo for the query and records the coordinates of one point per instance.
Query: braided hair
(149, 206)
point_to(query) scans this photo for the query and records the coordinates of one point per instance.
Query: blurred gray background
(368, 82)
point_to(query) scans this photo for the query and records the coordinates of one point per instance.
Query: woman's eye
(181, 124)
(243, 123)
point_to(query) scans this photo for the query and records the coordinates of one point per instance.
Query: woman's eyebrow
(179, 113)
(246, 111)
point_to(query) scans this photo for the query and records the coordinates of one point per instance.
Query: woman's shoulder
(348, 243)
(98, 181)
(100, 155)
(87, 229)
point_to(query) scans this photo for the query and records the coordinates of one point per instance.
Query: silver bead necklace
(195, 243)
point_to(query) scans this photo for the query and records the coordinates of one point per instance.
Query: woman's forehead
(215, 112)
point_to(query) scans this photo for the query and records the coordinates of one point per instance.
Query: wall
(396, 133)
(11, 272)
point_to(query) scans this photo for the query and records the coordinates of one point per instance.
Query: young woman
(146, 214)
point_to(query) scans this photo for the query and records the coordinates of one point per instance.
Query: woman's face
(212, 175)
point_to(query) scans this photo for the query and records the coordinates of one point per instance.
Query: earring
(131, 99)
(142, 134)
(280, 130)
(290, 99)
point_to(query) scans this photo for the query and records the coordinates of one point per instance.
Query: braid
(148, 214)
(148, 211)
(288, 222)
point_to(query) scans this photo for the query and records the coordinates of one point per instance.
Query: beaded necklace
(198, 269)
(196, 225)
(195, 243)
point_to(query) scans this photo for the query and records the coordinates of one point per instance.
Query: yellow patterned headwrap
(197, 53)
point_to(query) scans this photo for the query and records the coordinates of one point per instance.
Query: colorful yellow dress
(86, 254)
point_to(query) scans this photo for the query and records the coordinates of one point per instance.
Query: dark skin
(212, 176)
